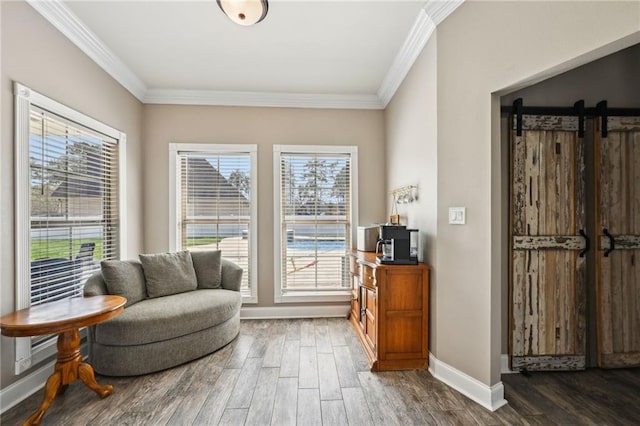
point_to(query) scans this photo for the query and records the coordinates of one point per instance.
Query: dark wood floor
(312, 372)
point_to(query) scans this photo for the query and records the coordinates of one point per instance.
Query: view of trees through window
(315, 218)
(73, 205)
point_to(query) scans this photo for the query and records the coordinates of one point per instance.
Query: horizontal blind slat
(74, 205)
(315, 205)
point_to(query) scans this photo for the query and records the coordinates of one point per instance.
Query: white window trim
(309, 296)
(25, 97)
(175, 196)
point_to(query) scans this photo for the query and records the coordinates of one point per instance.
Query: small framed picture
(394, 219)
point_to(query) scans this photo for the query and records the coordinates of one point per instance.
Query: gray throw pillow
(124, 278)
(168, 273)
(208, 266)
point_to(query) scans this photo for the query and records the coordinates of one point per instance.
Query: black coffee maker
(396, 244)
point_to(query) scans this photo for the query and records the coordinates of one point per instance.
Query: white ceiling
(350, 53)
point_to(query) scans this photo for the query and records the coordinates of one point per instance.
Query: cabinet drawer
(368, 277)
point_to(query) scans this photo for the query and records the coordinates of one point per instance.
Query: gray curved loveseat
(157, 330)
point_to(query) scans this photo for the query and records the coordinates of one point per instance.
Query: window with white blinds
(315, 210)
(68, 205)
(74, 206)
(215, 203)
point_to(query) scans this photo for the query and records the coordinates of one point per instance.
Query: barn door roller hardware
(579, 107)
(602, 112)
(517, 110)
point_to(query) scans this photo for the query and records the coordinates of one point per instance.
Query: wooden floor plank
(233, 417)
(242, 346)
(307, 333)
(290, 365)
(294, 329)
(356, 407)
(266, 361)
(377, 400)
(245, 385)
(333, 413)
(453, 417)
(309, 413)
(214, 406)
(308, 372)
(336, 331)
(263, 399)
(273, 352)
(286, 403)
(345, 366)
(406, 408)
(328, 377)
(259, 347)
(323, 340)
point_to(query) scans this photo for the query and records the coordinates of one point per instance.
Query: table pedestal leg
(87, 377)
(68, 369)
(50, 392)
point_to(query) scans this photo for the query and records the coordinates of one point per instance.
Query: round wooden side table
(65, 318)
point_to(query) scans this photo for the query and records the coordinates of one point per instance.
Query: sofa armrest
(231, 275)
(95, 285)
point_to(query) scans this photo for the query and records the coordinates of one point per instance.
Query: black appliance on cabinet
(399, 245)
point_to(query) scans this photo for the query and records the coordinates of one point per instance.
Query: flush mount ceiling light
(244, 12)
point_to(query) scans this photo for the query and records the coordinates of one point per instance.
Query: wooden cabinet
(390, 312)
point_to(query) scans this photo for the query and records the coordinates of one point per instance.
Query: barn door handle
(587, 243)
(612, 242)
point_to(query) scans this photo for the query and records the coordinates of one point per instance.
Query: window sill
(314, 296)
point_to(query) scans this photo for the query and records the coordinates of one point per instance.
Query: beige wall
(484, 48)
(411, 159)
(37, 55)
(165, 124)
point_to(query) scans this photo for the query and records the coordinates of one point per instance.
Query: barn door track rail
(577, 110)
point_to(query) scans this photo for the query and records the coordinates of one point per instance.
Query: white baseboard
(504, 365)
(490, 397)
(25, 387)
(274, 312)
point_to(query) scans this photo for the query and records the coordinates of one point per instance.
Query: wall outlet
(457, 215)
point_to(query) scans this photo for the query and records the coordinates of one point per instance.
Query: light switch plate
(457, 215)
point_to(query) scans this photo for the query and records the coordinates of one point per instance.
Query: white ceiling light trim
(61, 17)
(261, 99)
(244, 12)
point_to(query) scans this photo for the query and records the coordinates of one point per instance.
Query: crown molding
(418, 37)
(439, 10)
(61, 17)
(261, 99)
(432, 14)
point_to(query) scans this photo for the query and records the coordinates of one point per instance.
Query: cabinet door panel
(406, 293)
(404, 336)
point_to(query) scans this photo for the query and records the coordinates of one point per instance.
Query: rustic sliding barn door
(548, 242)
(617, 157)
